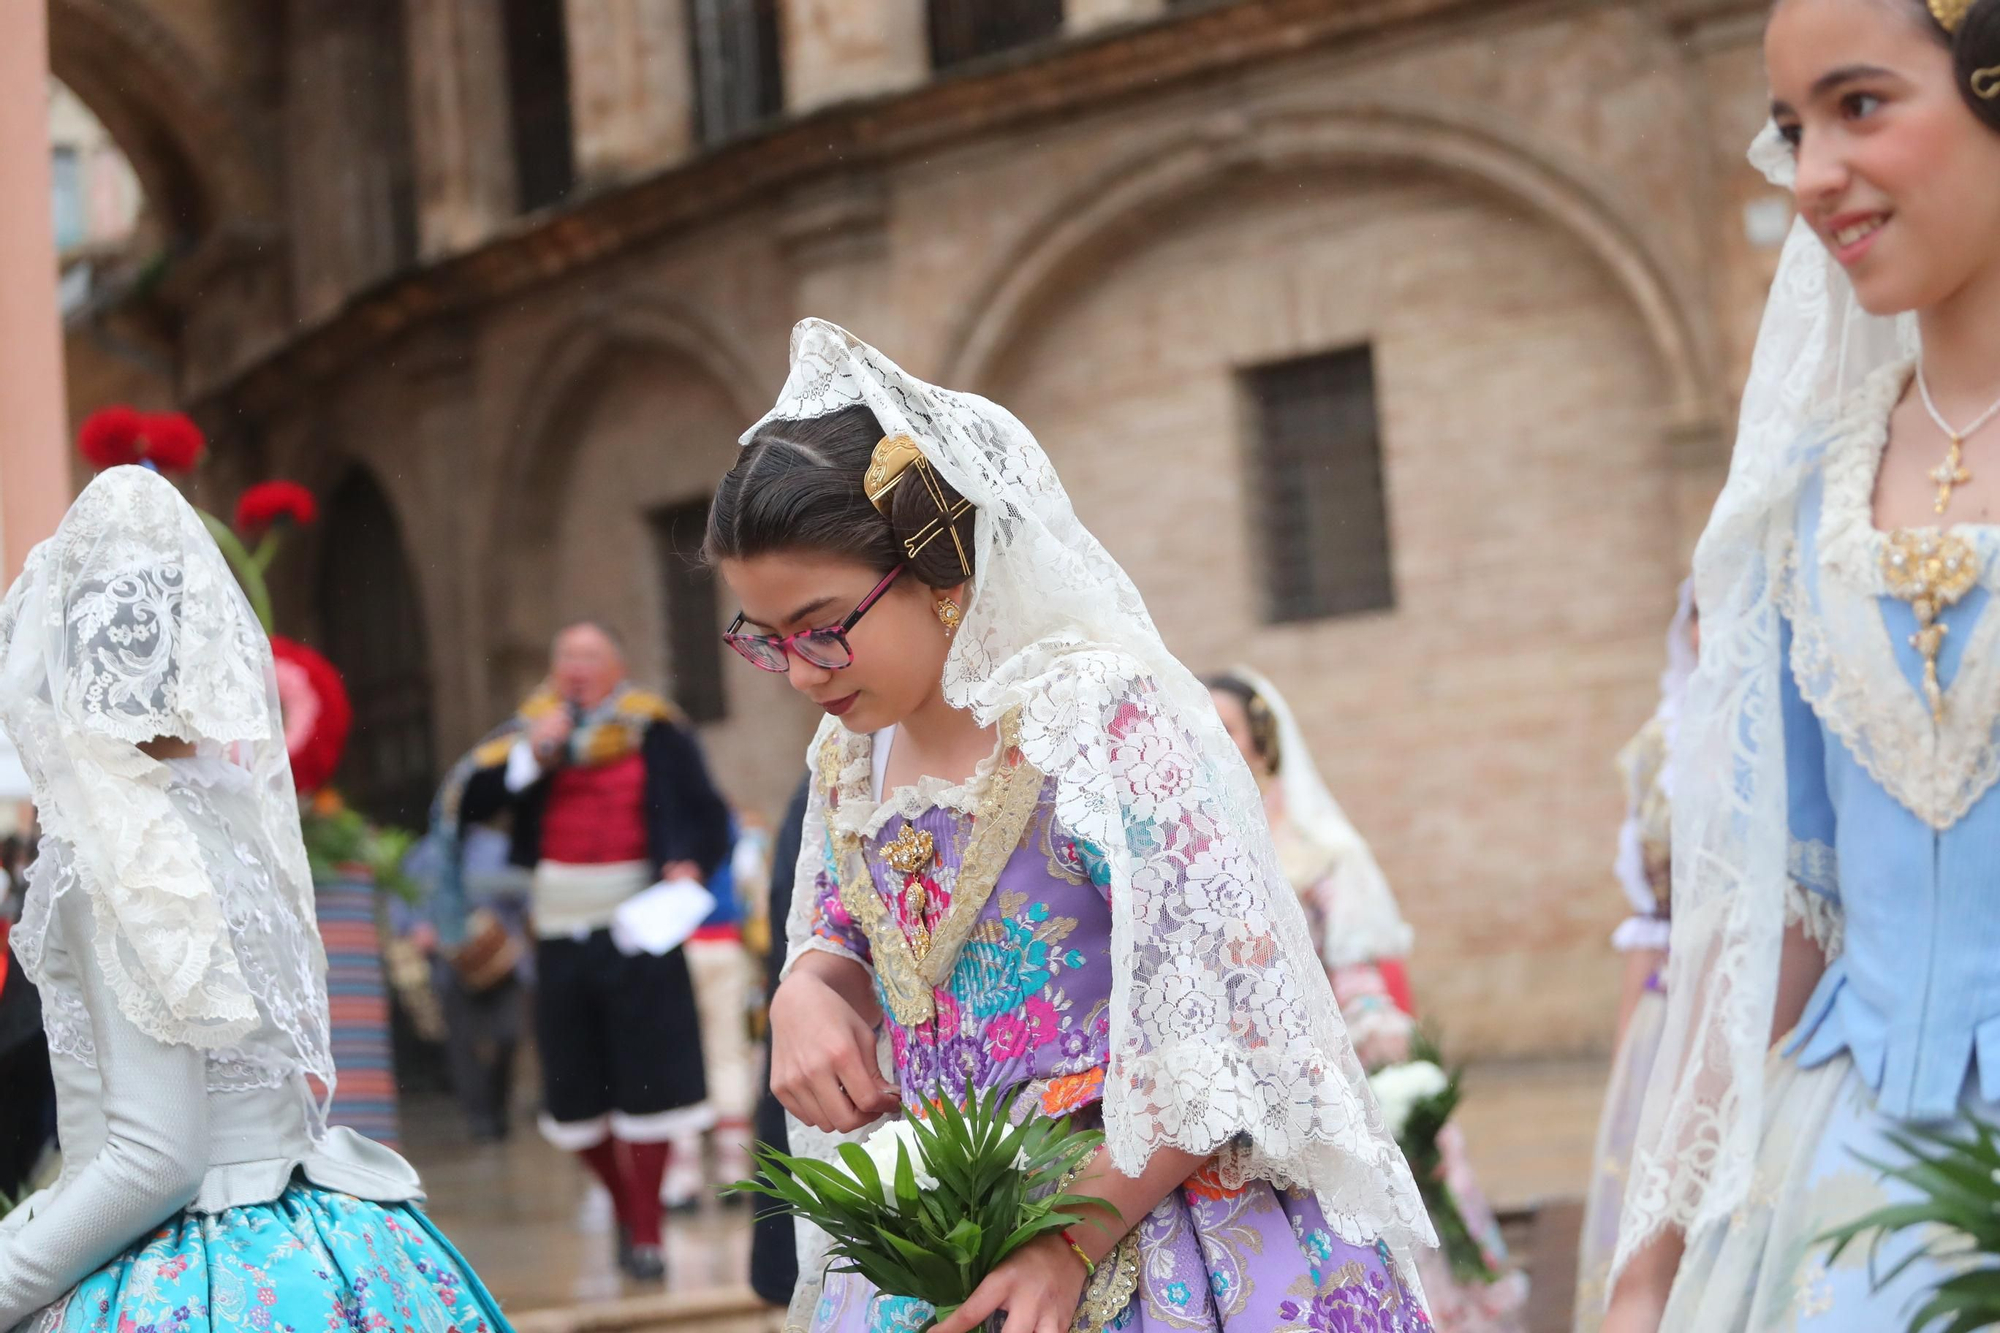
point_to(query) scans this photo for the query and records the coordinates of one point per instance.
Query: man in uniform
(609, 794)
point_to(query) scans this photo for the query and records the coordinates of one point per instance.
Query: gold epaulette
(494, 752)
(650, 707)
(540, 704)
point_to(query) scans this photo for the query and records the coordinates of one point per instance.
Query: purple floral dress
(1023, 1004)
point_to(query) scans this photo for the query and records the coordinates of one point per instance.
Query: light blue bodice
(1893, 816)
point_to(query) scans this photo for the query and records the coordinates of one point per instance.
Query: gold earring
(1986, 84)
(949, 615)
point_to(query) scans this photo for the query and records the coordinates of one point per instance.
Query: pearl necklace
(1951, 474)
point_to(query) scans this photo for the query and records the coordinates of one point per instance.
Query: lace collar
(1850, 545)
(1844, 658)
(865, 809)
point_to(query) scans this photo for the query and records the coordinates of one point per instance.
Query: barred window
(963, 30)
(1317, 497)
(738, 66)
(694, 627)
(538, 100)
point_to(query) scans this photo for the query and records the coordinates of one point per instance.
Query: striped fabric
(365, 1100)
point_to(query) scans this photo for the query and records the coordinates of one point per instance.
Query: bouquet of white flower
(1417, 1099)
(927, 1207)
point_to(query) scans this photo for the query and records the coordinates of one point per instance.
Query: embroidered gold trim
(1110, 1288)
(998, 824)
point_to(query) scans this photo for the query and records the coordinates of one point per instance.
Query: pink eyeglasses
(827, 647)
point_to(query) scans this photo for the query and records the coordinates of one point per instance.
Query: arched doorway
(373, 630)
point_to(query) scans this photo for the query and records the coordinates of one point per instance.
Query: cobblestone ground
(540, 1235)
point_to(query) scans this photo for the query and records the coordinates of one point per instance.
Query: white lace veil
(123, 627)
(1224, 1033)
(1364, 923)
(1698, 1137)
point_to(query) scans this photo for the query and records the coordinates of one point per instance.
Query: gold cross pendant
(1950, 474)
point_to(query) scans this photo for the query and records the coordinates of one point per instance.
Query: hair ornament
(1950, 13)
(1986, 83)
(892, 460)
(892, 457)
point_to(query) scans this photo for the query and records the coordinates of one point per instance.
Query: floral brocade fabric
(313, 1261)
(1023, 1003)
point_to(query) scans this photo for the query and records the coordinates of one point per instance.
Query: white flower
(1400, 1088)
(881, 1147)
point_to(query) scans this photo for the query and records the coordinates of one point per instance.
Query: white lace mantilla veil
(1364, 923)
(1699, 1133)
(124, 626)
(1224, 1033)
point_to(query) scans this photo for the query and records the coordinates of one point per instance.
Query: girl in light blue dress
(1835, 971)
(169, 927)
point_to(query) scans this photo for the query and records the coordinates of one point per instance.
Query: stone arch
(534, 466)
(188, 139)
(1092, 219)
(370, 609)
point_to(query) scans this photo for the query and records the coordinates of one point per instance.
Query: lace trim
(1814, 865)
(1842, 653)
(247, 902)
(867, 817)
(1824, 921)
(1008, 803)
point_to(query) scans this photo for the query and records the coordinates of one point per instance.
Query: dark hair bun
(919, 515)
(1975, 55)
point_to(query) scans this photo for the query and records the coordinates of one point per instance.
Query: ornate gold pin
(1930, 570)
(911, 854)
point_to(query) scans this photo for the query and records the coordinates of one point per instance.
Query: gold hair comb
(893, 457)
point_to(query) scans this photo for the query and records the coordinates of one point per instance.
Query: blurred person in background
(474, 924)
(609, 794)
(1363, 942)
(1644, 869)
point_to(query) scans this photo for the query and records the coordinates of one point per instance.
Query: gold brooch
(912, 852)
(1930, 570)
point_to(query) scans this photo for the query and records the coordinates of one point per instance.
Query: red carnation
(116, 435)
(270, 502)
(316, 709)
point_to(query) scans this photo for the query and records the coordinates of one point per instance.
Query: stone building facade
(504, 280)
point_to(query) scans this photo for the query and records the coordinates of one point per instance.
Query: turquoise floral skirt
(311, 1262)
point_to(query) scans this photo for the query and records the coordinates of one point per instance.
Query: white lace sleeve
(1694, 1156)
(810, 928)
(807, 931)
(1225, 1036)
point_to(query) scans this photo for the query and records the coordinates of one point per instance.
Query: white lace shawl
(123, 627)
(1732, 850)
(1225, 1036)
(1363, 923)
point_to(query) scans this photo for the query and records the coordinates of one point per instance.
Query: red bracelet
(1089, 1268)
